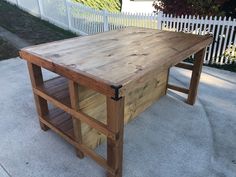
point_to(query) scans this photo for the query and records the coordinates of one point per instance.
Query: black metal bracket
(116, 88)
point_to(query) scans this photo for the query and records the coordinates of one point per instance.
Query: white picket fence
(85, 20)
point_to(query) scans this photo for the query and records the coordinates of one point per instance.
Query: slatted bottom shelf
(56, 92)
(61, 120)
(57, 88)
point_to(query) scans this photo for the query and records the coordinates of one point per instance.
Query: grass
(36, 31)
(109, 5)
(7, 50)
(28, 27)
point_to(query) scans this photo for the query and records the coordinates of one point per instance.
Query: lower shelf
(61, 121)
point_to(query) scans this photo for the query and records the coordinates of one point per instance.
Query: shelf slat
(59, 97)
(61, 123)
(61, 120)
(57, 88)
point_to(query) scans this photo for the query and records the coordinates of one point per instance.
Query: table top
(116, 57)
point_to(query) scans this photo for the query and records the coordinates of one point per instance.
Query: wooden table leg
(196, 73)
(74, 99)
(115, 122)
(36, 78)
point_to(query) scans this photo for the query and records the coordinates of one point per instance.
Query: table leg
(115, 122)
(36, 78)
(74, 99)
(196, 73)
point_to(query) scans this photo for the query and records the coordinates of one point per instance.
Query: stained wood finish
(196, 74)
(61, 123)
(129, 53)
(61, 120)
(178, 88)
(185, 66)
(74, 99)
(115, 122)
(99, 126)
(36, 78)
(196, 69)
(148, 90)
(130, 65)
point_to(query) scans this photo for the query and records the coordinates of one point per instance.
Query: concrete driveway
(170, 139)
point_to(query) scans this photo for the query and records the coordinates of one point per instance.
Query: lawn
(109, 5)
(28, 27)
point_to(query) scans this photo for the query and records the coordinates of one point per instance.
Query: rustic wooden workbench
(105, 80)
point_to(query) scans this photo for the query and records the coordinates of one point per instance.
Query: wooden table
(105, 80)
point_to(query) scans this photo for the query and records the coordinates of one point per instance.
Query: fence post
(68, 14)
(159, 20)
(105, 20)
(41, 9)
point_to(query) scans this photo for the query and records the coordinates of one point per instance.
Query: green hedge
(109, 5)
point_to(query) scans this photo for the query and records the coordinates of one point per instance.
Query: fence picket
(220, 41)
(85, 20)
(214, 59)
(231, 40)
(225, 40)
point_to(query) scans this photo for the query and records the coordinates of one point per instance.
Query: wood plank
(86, 79)
(148, 89)
(178, 88)
(74, 98)
(115, 121)
(125, 55)
(196, 74)
(185, 66)
(90, 153)
(36, 78)
(61, 120)
(78, 115)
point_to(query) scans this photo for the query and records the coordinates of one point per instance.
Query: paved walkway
(13, 39)
(170, 139)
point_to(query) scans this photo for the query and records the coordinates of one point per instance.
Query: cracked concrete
(170, 139)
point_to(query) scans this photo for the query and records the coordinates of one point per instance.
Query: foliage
(229, 7)
(230, 52)
(190, 7)
(109, 5)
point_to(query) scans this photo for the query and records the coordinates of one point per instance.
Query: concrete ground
(170, 139)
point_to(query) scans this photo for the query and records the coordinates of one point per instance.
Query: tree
(190, 7)
(229, 7)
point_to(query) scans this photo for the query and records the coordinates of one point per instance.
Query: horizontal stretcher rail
(78, 115)
(87, 151)
(177, 88)
(185, 66)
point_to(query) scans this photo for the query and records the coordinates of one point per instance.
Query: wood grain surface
(116, 57)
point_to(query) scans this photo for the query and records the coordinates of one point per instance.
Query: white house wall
(137, 6)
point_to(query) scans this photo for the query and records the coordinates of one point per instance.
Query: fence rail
(85, 20)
